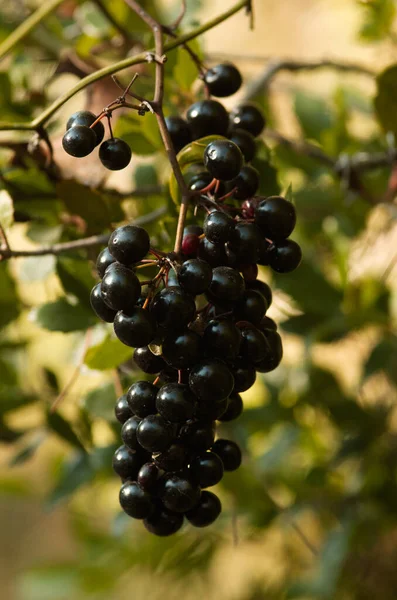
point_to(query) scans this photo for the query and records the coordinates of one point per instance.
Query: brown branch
(180, 17)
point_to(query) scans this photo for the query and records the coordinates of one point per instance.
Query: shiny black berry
(223, 80)
(222, 339)
(245, 242)
(198, 182)
(135, 327)
(229, 453)
(98, 305)
(122, 409)
(227, 287)
(251, 307)
(87, 118)
(207, 117)
(246, 183)
(134, 501)
(175, 458)
(253, 346)
(210, 410)
(173, 308)
(182, 350)
(207, 469)
(214, 254)
(141, 398)
(126, 463)
(249, 117)
(178, 492)
(79, 141)
(245, 141)
(211, 380)
(128, 433)
(154, 434)
(148, 476)
(244, 374)
(163, 522)
(267, 323)
(223, 159)
(115, 154)
(195, 276)
(198, 435)
(175, 402)
(274, 352)
(147, 361)
(180, 132)
(218, 227)
(285, 257)
(263, 288)
(103, 261)
(129, 244)
(234, 408)
(276, 218)
(120, 287)
(206, 511)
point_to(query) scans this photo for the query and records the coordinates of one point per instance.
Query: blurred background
(312, 512)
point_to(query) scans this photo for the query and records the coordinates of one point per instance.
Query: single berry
(249, 273)
(190, 245)
(141, 398)
(229, 453)
(173, 308)
(128, 433)
(245, 141)
(253, 346)
(122, 410)
(79, 141)
(263, 288)
(248, 208)
(198, 435)
(207, 117)
(285, 257)
(163, 522)
(87, 118)
(274, 353)
(249, 117)
(234, 408)
(115, 154)
(227, 287)
(182, 350)
(179, 493)
(135, 327)
(120, 287)
(103, 261)
(207, 469)
(267, 323)
(214, 254)
(175, 402)
(154, 434)
(147, 361)
(99, 307)
(222, 339)
(134, 501)
(129, 244)
(180, 132)
(127, 463)
(223, 159)
(206, 511)
(218, 227)
(199, 182)
(251, 307)
(195, 276)
(223, 80)
(245, 242)
(276, 218)
(175, 458)
(244, 374)
(211, 380)
(246, 183)
(265, 248)
(193, 228)
(208, 410)
(148, 476)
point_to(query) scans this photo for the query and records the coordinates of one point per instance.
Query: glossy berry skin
(154, 434)
(190, 245)
(129, 244)
(248, 207)
(218, 227)
(210, 410)
(198, 435)
(234, 408)
(182, 350)
(115, 154)
(179, 493)
(122, 409)
(254, 346)
(128, 433)
(263, 288)
(79, 141)
(274, 354)
(103, 261)
(163, 522)
(267, 323)
(135, 327)
(199, 182)
(207, 469)
(223, 80)
(180, 132)
(246, 183)
(229, 453)
(206, 511)
(276, 218)
(126, 463)
(248, 116)
(120, 287)
(227, 287)
(245, 141)
(221, 339)
(285, 257)
(244, 375)
(195, 276)
(99, 307)
(173, 308)
(211, 380)
(223, 159)
(193, 228)
(249, 273)
(134, 501)
(141, 398)
(148, 362)
(175, 402)
(213, 254)
(175, 458)
(87, 118)
(251, 307)
(207, 117)
(246, 242)
(148, 476)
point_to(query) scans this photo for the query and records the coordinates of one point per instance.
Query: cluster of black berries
(81, 138)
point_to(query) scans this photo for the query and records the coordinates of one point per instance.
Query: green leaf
(386, 99)
(63, 316)
(378, 20)
(36, 268)
(9, 302)
(313, 113)
(145, 175)
(134, 132)
(185, 71)
(383, 358)
(27, 451)
(89, 204)
(12, 398)
(76, 278)
(6, 210)
(63, 429)
(101, 401)
(268, 182)
(109, 354)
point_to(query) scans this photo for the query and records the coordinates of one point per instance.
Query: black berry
(223, 159)
(103, 261)
(223, 80)
(179, 493)
(147, 361)
(195, 276)
(246, 183)
(120, 287)
(251, 307)
(135, 327)
(198, 435)
(234, 408)
(229, 453)
(129, 244)
(182, 350)
(245, 141)
(276, 217)
(180, 132)
(98, 305)
(175, 458)
(163, 522)
(135, 501)
(207, 117)
(249, 117)
(175, 402)
(115, 154)
(148, 476)
(227, 287)
(141, 398)
(128, 433)
(173, 308)
(211, 380)
(218, 227)
(87, 118)
(154, 434)
(285, 257)
(79, 141)
(122, 409)
(207, 469)
(222, 339)
(126, 463)
(206, 511)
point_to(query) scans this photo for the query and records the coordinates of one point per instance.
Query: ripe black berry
(245, 141)
(267, 323)
(182, 350)
(141, 398)
(253, 346)
(173, 308)
(198, 435)
(285, 257)
(120, 287)
(222, 339)
(234, 408)
(213, 254)
(207, 469)
(249, 117)
(246, 183)
(244, 375)
(179, 493)
(276, 217)
(274, 352)
(175, 402)
(135, 327)
(87, 118)
(223, 159)
(128, 433)
(211, 380)
(175, 458)
(115, 154)
(207, 117)
(190, 245)
(127, 463)
(163, 522)
(134, 501)
(206, 511)
(245, 242)
(227, 287)
(122, 409)
(251, 307)
(103, 261)
(195, 276)
(210, 410)
(180, 132)
(79, 141)
(148, 476)
(229, 453)
(154, 433)
(218, 227)
(198, 182)
(263, 288)
(99, 307)
(129, 244)
(147, 361)
(223, 80)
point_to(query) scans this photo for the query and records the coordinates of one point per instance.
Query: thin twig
(4, 239)
(180, 17)
(304, 538)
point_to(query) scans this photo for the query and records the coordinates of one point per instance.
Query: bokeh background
(312, 512)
